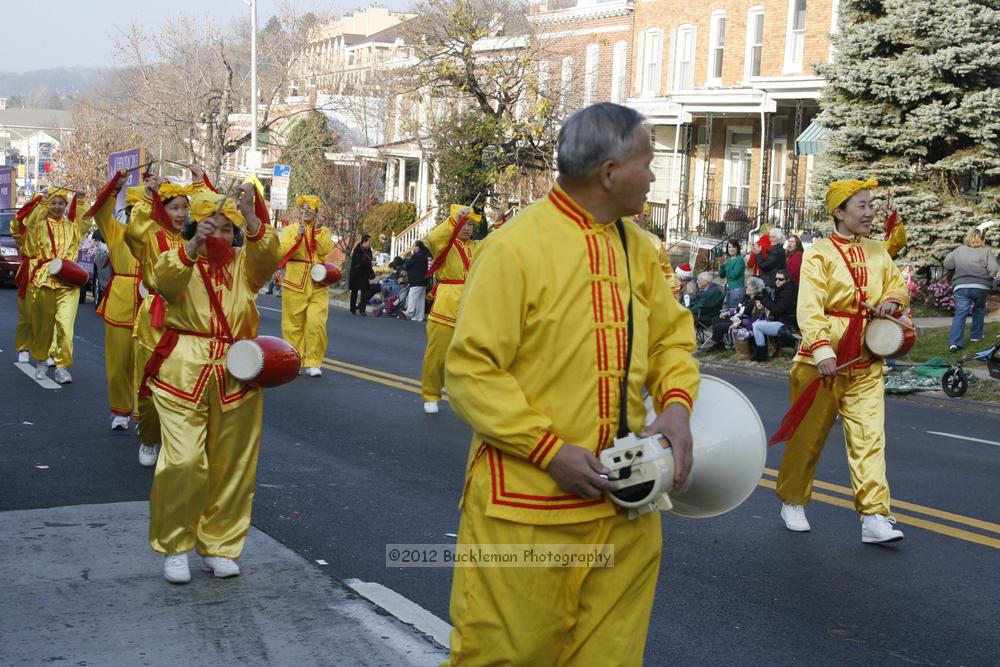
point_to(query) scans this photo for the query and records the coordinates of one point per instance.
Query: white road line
(277, 310)
(405, 610)
(29, 370)
(965, 437)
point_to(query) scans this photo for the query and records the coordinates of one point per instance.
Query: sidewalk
(944, 322)
(82, 587)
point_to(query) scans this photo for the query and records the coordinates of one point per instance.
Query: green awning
(810, 142)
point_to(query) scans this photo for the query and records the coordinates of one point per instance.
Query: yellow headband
(205, 204)
(134, 194)
(58, 192)
(168, 190)
(456, 210)
(840, 191)
(312, 201)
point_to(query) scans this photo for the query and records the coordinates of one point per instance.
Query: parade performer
(839, 275)
(119, 305)
(661, 249)
(536, 367)
(211, 423)
(19, 224)
(55, 232)
(895, 237)
(156, 225)
(452, 247)
(304, 304)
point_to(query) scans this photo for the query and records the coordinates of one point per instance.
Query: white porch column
(390, 179)
(422, 205)
(402, 179)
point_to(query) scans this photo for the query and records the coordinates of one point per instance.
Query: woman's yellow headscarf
(456, 210)
(205, 203)
(58, 192)
(168, 190)
(312, 201)
(840, 191)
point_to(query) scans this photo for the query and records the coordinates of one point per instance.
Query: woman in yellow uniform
(211, 423)
(55, 232)
(25, 290)
(451, 245)
(119, 306)
(156, 225)
(304, 304)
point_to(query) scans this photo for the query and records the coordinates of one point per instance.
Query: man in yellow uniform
(535, 367)
(25, 290)
(155, 226)
(119, 305)
(839, 275)
(453, 249)
(642, 220)
(304, 304)
(211, 422)
(55, 233)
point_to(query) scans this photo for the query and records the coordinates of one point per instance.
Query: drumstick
(847, 365)
(140, 167)
(902, 323)
(76, 192)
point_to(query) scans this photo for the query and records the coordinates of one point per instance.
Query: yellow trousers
(572, 616)
(53, 315)
(438, 340)
(859, 398)
(23, 335)
(119, 364)
(204, 481)
(144, 339)
(303, 322)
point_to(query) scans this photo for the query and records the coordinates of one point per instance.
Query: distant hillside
(47, 88)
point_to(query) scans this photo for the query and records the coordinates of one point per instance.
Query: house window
(665, 164)
(565, 83)
(716, 48)
(795, 46)
(684, 59)
(755, 41)
(590, 74)
(779, 167)
(618, 64)
(653, 49)
(737, 167)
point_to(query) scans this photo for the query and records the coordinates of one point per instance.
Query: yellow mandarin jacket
(120, 304)
(539, 353)
(451, 275)
(896, 241)
(25, 244)
(312, 249)
(179, 279)
(54, 238)
(827, 292)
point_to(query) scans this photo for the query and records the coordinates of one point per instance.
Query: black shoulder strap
(623, 408)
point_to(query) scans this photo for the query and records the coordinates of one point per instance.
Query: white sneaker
(431, 407)
(41, 372)
(147, 455)
(50, 362)
(23, 357)
(878, 529)
(795, 518)
(313, 372)
(63, 376)
(175, 569)
(119, 422)
(220, 566)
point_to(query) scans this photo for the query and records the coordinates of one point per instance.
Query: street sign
(280, 178)
(43, 164)
(8, 187)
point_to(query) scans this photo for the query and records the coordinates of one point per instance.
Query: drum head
(318, 272)
(884, 338)
(245, 360)
(55, 266)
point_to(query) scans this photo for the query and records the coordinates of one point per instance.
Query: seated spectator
(741, 316)
(780, 312)
(769, 260)
(707, 301)
(684, 275)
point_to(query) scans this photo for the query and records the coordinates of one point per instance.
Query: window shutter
(640, 66)
(671, 62)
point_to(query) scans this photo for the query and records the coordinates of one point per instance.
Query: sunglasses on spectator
(780, 279)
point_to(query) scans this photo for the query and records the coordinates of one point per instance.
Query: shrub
(389, 218)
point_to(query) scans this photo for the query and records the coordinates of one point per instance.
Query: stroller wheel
(954, 383)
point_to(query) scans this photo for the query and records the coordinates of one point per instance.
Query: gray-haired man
(536, 368)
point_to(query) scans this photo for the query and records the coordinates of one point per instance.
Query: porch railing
(415, 232)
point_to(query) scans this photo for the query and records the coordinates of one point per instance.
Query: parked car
(10, 258)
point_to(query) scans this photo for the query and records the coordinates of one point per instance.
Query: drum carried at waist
(889, 337)
(69, 272)
(325, 274)
(264, 361)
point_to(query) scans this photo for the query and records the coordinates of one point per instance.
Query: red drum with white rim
(888, 338)
(325, 274)
(264, 361)
(69, 272)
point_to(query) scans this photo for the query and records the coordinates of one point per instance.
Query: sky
(62, 33)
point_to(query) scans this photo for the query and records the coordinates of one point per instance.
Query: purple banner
(8, 187)
(129, 159)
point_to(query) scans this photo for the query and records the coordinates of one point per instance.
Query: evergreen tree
(308, 142)
(913, 99)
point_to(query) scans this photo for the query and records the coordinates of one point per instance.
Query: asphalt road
(350, 463)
